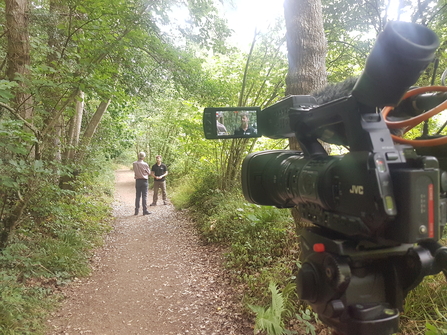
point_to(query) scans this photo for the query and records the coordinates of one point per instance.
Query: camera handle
(348, 122)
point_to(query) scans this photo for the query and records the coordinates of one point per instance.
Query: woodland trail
(152, 276)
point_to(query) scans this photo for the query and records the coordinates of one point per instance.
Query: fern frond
(269, 324)
(291, 298)
(277, 301)
(269, 319)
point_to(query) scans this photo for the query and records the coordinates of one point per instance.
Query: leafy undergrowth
(52, 245)
(426, 308)
(260, 241)
(262, 257)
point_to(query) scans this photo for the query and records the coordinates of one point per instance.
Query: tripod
(357, 289)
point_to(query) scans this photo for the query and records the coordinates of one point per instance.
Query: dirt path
(152, 277)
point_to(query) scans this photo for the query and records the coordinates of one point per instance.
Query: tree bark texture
(94, 122)
(75, 127)
(18, 50)
(306, 45)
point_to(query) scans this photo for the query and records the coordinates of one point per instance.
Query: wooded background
(82, 79)
(83, 82)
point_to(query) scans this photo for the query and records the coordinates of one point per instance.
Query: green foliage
(50, 247)
(308, 319)
(115, 50)
(180, 196)
(260, 235)
(269, 319)
(426, 304)
(22, 306)
(282, 307)
(19, 175)
(261, 242)
(352, 26)
(432, 330)
(6, 94)
(171, 127)
(14, 140)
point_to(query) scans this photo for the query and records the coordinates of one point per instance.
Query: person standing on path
(142, 172)
(159, 172)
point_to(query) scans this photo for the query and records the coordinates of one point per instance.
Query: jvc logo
(356, 189)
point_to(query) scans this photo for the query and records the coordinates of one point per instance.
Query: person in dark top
(142, 172)
(159, 172)
(245, 128)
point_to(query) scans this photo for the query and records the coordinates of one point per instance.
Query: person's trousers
(159, 185)
(141, 192)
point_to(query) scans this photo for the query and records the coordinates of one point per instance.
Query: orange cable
(414, 121)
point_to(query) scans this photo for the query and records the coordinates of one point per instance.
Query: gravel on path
(152, 276)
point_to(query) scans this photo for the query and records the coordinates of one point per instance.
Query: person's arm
(147, 169)
(134, 168)
(152, 172)
(162, 176)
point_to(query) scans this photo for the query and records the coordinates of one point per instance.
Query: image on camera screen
(236, 123)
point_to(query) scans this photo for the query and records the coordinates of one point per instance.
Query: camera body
(378, 211)
(379, 191)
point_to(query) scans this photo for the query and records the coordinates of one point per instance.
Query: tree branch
(18, 116)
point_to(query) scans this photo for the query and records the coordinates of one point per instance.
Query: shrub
(52, 244)
(260, 241)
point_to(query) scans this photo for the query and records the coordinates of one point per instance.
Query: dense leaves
(351, 28)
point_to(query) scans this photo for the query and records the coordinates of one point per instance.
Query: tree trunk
(93, 124)
(17, 63)
(10, 222)
(306, 46)
(18, 52)
(73, 142)
(75, 127)
(55, 45)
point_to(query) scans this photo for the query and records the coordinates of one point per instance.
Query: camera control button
(391, 156)
(319, 247)
(380, 164)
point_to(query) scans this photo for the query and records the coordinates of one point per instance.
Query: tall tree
(18, 51)
(87, 55)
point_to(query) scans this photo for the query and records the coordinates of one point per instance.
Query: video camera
(377, 211)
